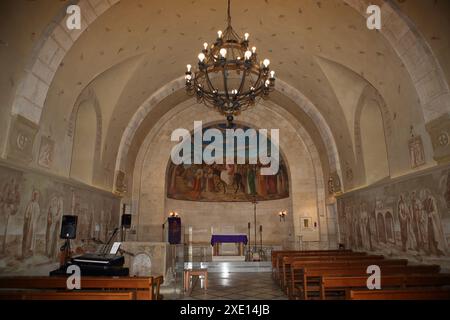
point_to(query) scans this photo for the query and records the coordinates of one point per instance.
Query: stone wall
(31, 208)
(206, 218)
(405, 217)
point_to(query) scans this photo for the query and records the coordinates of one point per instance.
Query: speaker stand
(66, 253)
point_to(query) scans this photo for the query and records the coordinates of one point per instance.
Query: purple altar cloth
(228, 239)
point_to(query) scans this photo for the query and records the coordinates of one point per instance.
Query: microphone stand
(109, 241)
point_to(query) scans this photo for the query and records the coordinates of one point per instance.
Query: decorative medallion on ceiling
(230, 78)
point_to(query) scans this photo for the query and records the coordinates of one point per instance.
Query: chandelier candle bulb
(205, 45)
(201, 57)
(266, 63)
(189, 67)
(272, 74)
(248, 55)
(254, 50)
(219, 34)
(223, 52)
(246, 36)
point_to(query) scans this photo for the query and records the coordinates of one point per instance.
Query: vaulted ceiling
(323, 49)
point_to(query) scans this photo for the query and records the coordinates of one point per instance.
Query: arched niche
(373, 143)
(83, 151)
(373, 125)
(85, 134)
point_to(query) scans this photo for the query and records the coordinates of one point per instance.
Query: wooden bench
(143, 288)
(339, 284)
(65, 295)
(287, 259)
(277, 256)
(400, 294)
(307, 279)
(344, 260)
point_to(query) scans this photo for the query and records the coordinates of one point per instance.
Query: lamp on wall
(282, 214)
(173, 214)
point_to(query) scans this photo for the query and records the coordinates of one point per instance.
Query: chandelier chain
(229, 13)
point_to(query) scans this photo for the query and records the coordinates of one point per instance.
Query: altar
(218, 241)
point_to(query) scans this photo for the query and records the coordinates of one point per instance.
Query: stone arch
(47, 55)
(399, 31)
(157, 154)
(282, 155)
(415, 53)
(178, 84)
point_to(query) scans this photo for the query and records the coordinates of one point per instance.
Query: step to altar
(228, 258)
(231, 266)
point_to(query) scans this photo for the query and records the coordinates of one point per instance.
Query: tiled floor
(236, 286)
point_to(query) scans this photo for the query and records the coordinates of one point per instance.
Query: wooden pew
(288, 261)
(339, 284)
(307, 279)
(284, 261)
(275, 253)
(277, 256)
(144, 288)
(297, 266)
(65, 295)
(400, 294)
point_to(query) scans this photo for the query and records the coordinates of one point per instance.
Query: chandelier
(229, 78)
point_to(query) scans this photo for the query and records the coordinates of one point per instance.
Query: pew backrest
(401, 294)
(387, 281)
(142, 286)
(65, 295)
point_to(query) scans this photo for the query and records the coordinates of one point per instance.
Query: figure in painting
(272, 184)
(46, 152)
(251, 176)
(32, 212)
(403, 218)
(365, 227)
(357, 228)
(54, 216)
(348, 226)
(197, 185)
(416, 212)
(381, 226)
(416, 153)
(373, 230)
(9, 205)
(436, 239)
(261, 187)
(406, 219)
(210, 187)
(282, 180)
